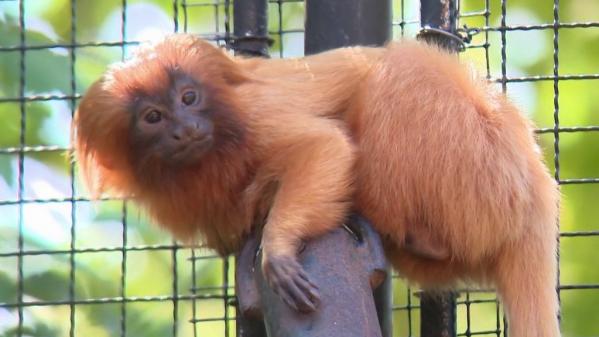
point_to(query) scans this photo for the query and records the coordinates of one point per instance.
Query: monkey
(445, 167)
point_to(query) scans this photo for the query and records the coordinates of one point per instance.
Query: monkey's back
(439, 150)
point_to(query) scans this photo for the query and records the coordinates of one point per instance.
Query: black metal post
(438, 314)
(250, 28)
(250, 38)
(250, 321)
(383, 300)
(334, 24)
(438, 19)
(341, 23)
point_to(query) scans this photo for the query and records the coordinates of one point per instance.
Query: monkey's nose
(178, 134)
(192, 132)
(185, 134)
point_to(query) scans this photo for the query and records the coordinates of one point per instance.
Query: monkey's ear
(197, 56)
(235, 76)
(233, 73)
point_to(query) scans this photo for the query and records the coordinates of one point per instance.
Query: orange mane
(200, 195)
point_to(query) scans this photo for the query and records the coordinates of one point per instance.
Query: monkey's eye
(189, 97)
(154, 116)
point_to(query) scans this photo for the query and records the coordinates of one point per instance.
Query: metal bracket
(443, 37)
(250, 45)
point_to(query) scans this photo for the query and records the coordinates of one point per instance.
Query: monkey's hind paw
(287, 278)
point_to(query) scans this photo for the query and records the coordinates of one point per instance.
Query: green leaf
(51, 285)
(8, 288)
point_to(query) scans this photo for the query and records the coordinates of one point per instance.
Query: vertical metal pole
(383, 300)
(438, 19)
(438, 314)
(340, 23)
(250, 27)
(250, 38)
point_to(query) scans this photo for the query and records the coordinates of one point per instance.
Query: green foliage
(37, 330)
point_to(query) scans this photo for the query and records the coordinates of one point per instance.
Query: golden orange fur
(404, 134)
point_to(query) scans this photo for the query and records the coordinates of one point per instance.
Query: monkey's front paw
(287, 278)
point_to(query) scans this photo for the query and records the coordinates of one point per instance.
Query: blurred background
(74, 267)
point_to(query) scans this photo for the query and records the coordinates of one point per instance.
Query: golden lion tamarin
(446, 169)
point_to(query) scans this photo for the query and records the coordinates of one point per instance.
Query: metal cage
(70, 265)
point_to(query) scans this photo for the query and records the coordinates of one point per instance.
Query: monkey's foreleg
(312, 198)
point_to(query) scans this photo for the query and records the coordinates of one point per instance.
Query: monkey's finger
(302, 299)
(288, 280)
(287, 299)
(308, 288)
(303, 281)
(305, 277)
(280, 266)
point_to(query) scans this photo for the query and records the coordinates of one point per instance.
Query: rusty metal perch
(346, 265)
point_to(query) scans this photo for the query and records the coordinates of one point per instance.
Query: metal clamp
(443, 37)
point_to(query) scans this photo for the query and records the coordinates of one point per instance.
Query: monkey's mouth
(192, 151)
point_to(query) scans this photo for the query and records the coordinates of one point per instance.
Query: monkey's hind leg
(526, 280)
(421, 242)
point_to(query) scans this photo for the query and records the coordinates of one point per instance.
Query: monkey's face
(172, 106)
(173, 126)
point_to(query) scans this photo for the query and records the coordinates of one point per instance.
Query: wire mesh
(108, 270)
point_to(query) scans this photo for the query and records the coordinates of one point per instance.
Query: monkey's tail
(526, 273)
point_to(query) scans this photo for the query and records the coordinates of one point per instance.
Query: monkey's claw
(287, 278)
